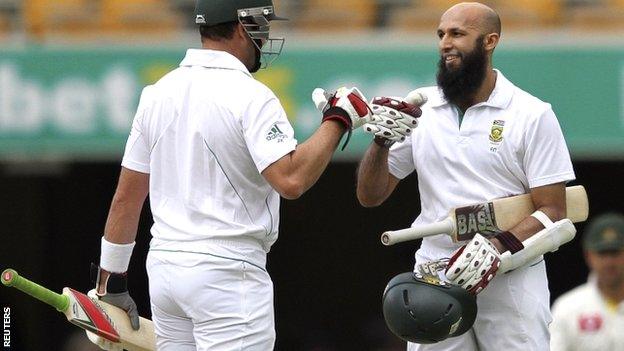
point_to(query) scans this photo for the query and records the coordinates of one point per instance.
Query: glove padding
(116, 293)
(474, 265)
(347, 105)
(431, 267)
(392, 119)
(103, 343)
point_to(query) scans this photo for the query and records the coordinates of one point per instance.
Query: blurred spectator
(591, 316)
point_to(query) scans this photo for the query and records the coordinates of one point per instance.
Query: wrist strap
(115, 283)
(510, 242)
(338, 114)
(115, 258)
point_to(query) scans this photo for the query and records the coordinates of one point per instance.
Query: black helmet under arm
(425, 310)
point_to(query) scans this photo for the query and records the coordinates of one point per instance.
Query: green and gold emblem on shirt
(496, 133)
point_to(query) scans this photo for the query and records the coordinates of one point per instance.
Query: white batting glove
(347, 105)
(394, 119)
(474, 265)
(432, 267)
(103, 343)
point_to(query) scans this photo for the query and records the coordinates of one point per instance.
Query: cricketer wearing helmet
(215, 150)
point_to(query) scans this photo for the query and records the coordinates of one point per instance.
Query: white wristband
(115, 258)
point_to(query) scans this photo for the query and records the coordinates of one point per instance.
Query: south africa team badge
(496, 134)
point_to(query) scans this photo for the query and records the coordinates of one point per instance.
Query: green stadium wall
(78, 104)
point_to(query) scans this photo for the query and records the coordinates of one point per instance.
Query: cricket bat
(96, 316)
(489, 218)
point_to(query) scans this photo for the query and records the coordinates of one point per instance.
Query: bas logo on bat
(475, 219)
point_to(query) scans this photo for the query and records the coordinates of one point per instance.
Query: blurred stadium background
(70, 75)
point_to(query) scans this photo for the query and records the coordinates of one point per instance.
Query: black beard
(257, 62)
(460, 85)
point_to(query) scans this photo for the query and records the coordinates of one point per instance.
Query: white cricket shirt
(204, 133)
(582, 321)
(504, 146)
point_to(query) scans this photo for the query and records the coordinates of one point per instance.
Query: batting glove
(103, 343)
(347, 106)
(393, 120)
(474, 265)
(116, 293)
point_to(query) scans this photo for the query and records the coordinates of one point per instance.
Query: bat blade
(87, 314)
(489, 218)
(96, 316)
(143, 339)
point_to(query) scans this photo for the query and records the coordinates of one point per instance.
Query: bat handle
(416, 232)
(12, 279)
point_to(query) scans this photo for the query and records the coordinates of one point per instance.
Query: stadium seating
(136, 16)
(529, 14)
(517, 14)
(88, 17)
(332, 15)
(40, 19)
(596, 15)
(10, 16)
(419, 15)
(4, 26)
(43, 17)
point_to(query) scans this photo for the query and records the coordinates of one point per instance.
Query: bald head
(474, 15)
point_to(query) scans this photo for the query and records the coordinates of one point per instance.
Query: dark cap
(605, 232)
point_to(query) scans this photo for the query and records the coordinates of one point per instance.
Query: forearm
(125, 210)
(549, 199)
(312, 157)
(123, 221)
(295, 173)
(121, 228)
(530, 225)
(373, 174)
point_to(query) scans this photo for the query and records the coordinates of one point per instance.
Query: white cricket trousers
(203, 302)
(513, 315)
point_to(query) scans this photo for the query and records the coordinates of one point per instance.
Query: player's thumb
(133, 313)
(126, 303)
(320, 98)
(416, 98)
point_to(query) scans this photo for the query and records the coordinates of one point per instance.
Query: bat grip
(416, 232)
(12, 279)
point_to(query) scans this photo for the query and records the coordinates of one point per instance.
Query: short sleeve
(137, 153)
(546, 157)
(267, 132)
(401, 159)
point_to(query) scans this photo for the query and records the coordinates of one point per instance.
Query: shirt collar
(592, 281)
(213, 59)
(499, 98)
